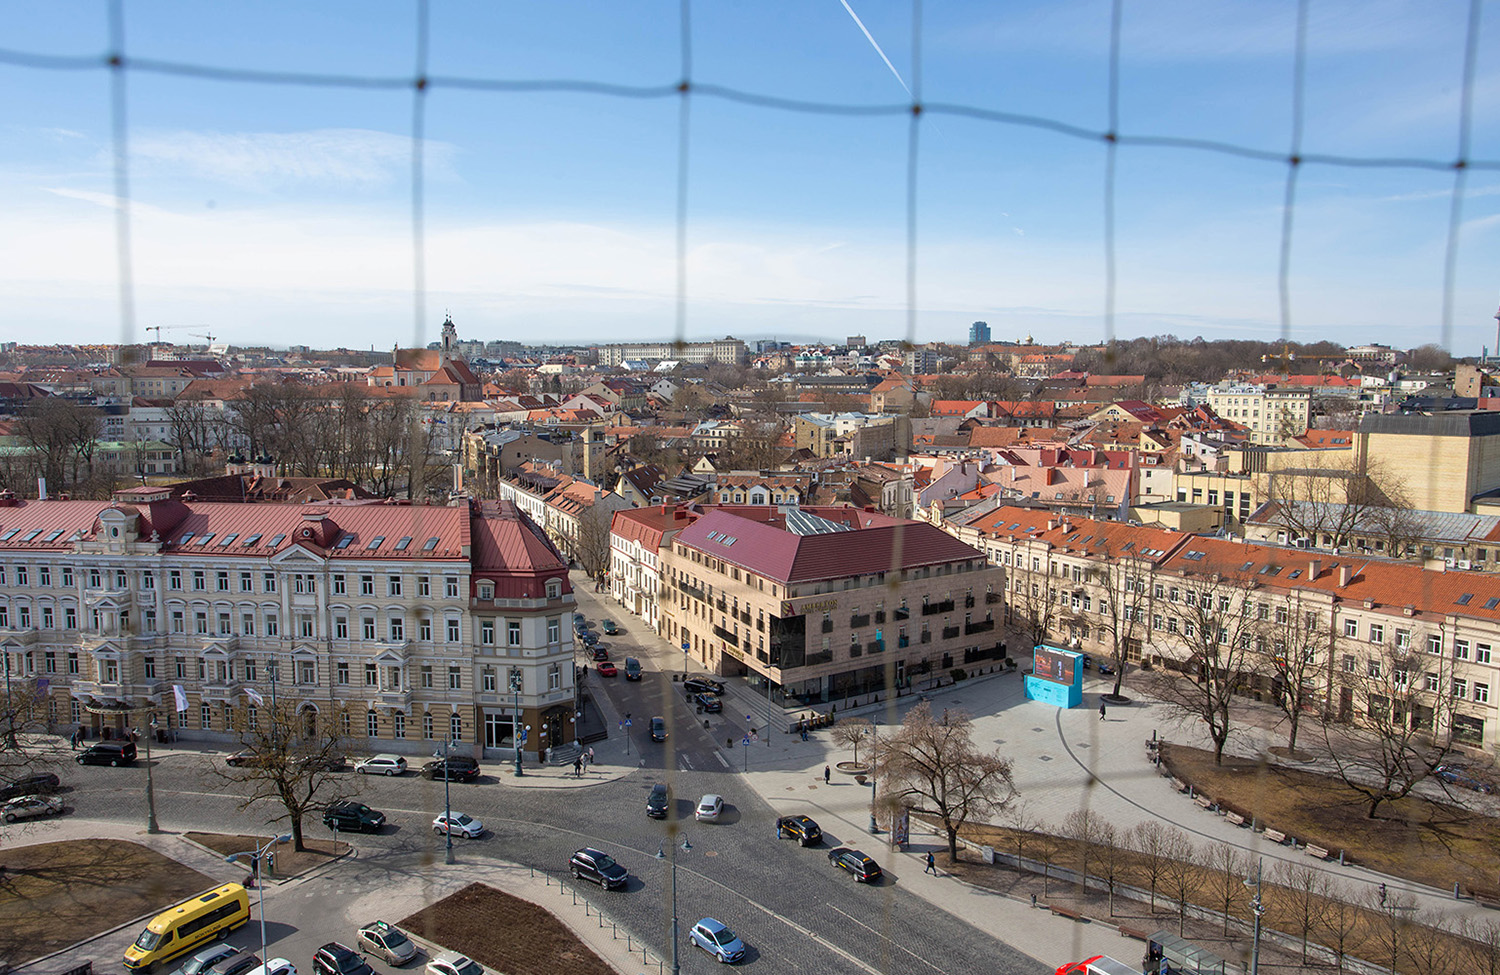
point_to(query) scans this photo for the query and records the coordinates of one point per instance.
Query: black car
(707, 702)
(599, 653)
(658, 801)
(698, 684)
(114, 753)
(803, 829)
(36, 784)
(658, 729)
(863, 867)
(601, 868)
(455, 768)
(335, 959)
(352, 817)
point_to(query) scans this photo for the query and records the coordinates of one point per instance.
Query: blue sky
(281, 213)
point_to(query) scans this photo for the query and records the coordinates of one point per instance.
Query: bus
(189, 924)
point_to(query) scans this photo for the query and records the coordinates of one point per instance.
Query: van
(632, 669)
(115, 753)
(180, 929)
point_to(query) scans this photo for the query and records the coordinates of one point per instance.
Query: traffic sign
(745, 740)
(627, 722)
(686, 647)
(754, 736)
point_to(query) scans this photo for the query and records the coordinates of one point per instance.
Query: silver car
(386, 941)
(31, 807)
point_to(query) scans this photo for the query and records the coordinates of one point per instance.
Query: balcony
(693, 591)
(879, 616)
(721, 605)
(396, 700)
(983, 626)
(949, 632)
(969, 601)
(19, 637)
(991, 598)
(113, 691)
(221, 690)
(875, 646)
(903, 613)
(226, 643)
(926, 637)
(931, 609)
(903, 641)
(859, 622)
(108, 642)
(745, 617)
(828, 626)
(541, 602)
(727, 636)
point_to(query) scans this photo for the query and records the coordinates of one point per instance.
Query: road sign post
(626, 726)
(746, 742)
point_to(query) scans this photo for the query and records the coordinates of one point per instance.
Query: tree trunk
(1374, 805)
(297, 834)
(952, 842)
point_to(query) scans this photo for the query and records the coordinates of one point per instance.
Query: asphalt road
(774, 893)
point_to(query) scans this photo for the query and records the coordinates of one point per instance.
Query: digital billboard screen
(1053, 665)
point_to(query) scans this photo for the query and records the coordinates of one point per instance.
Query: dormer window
(554, 589)
(486, 591)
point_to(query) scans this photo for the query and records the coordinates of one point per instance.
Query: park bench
(1235, 818)
(1204, 801)
(1066, 912)
(1315, 851)
(1179, 785)
(1275, 836)
(1134, 933)
(1484, 896)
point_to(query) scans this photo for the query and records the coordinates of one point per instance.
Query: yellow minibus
(188, 925)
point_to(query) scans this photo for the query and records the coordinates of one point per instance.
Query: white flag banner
(181, 697)
(255, 697)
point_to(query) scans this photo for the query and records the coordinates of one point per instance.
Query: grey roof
(1437, 526)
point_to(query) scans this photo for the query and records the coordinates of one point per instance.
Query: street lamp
(874, 826)
(447, 804)
(516, 732)
(255, 857)
(129, 711)
(686, 847)
(1259, 910)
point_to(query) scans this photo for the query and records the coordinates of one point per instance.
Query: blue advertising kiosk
(1056, 677)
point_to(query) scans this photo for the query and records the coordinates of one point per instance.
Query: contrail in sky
(869, 37)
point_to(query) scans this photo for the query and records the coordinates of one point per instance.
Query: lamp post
(686, 847)
(1259, 910)
(447, 804)
(10, 705)
(129, 711)
(515, 728)
(255, 858)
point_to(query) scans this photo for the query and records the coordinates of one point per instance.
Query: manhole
(1037, 729)
(999, 741)
(1082, 745)
(1044, 758)
(710, 853)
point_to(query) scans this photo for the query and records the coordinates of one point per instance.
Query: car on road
(658, 729)
(460, 824)
(600, 867)
(698, 684)
(112, 753)
(1106, 670)
(321, 763)
(579, 619)
(452, 963)
(386, 941)
(632, 669)
(336, 959)
(241, 758)
(588, 639)
(455, 768)
(860, 865)
(658, 801)
(35, 784)
(710, 808)
(609, 627)
(31, 807)
(349, 816)
(709, 703)
(200, 963)
(381, 765)
(716, 939)
(804, 829)
(235, 964)
(599, 653)
(1460, 776)
(606, 669)
(276, 966)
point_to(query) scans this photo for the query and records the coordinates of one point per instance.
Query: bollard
(628, 945)
(575, 903)
(1341, 858)
(1455, 891)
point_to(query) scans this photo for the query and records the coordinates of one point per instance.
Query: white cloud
(106, 200)
(359, 157)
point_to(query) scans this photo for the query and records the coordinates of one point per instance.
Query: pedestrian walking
(577, 767)
(1382, 895)
(73, 739)
(1033, 900)
(1101, 710)
(827, 774)
(931, 864)
(591, 754)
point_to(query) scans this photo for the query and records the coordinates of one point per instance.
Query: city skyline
(280, 214)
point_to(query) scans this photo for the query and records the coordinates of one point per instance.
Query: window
(450, 587)
(174, 578)
(1481, 653)
(305, 627)
(221, 581)
(339, 587)
(250, 668)
(455, 679)
(1460, 649)
(487, 632)
(200, 623)
(200, 580)
(1377, 633)
(150, 663)
(1351, 627)
(225, 628)
(393, 585)
(372, 724)
(1481, 693)
(456, 727)
(205, 717)
(424, 586)
(1347, 663)
(427, 676)
(372, 675)
(44, 576)
(513, 633)
(1432, 683)
(424, 629)
(246, 585)
(1460, 687)
(181, 666)
(1434, 643)
(488, 678)
(554, 629)
(307, 671)
(397, 627)
(427, 725)
(341, 672)
(452, 631)
(367, 627)
(247, 624)
(268, 581)
(1403, 639)
(367, 585)
(1372, 668)
(554, 677)
(252, 718)
(47, 620)
(273, 625)
(398, 725)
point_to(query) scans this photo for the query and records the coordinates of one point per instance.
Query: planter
(860, 778)
(853, 768)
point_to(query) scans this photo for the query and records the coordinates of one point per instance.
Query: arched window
(554, 588)
(456, 727)
(372, 724)
(427, 731)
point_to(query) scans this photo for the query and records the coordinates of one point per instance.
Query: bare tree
(1033, 603)
(592, 544)
(1112, 858)
(1392, 917)
(1331, 498)
(1230, 865)
(853, 732)
(1181, 874)
(59, 432)
(295, 757)
(1211, 617)
(1340, 922)
(1124, 597)
(1306, 892)
(1480, 945)
(23, 717)
(935, 766)
(1085, 828)
(1403, 707)
(1154, 843)
(1429, 946)
(1295, 650)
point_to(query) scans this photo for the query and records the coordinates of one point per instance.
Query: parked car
(455, 768)
(38, 783)
(1460, 776)
(709, 703)
(460, 824)
(452, 963)
(1106, 669)
(113, 753)
(710, 808)
(276, 966)
(861, 866)
(31, 807)
(579, 619)
(632, 669)
(599, 653)
(241, 758)
(336, 959)
(609, 627)
(716, 939)
(386, 941)
(235, 964)
(600, 867)
(200, 963)
(804, 829)
(321, 763)
(588, 639)
(381, 765)
(698, 684)
(352, 817)
(658, 801)
(658, 729)
(607, 669)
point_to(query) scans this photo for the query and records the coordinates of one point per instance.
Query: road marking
(886, 937)
(722, 760)
(682, 757)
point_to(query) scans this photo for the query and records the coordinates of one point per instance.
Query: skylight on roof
(228, 540)
(54, 536)
(1247, 566)
(346, 541)
(10, 534)
(405, 541)
(375, 542)
(188, 537)
(204, 539)
(252, 540)
(277, 541)
(31, 535)
(1464, 599)
(431, 544)
(1492, 602)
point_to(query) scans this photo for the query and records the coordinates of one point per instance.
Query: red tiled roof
(511, 551)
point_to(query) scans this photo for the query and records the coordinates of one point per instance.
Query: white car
(460, 824)
(381, 765)
(452, 963)
(710, 807)
(276, 966)
(31, 807)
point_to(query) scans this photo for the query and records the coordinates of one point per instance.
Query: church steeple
(450, 337)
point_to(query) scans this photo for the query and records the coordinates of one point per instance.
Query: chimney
(1314, 567)
(1051, 523)
(1344, 574)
